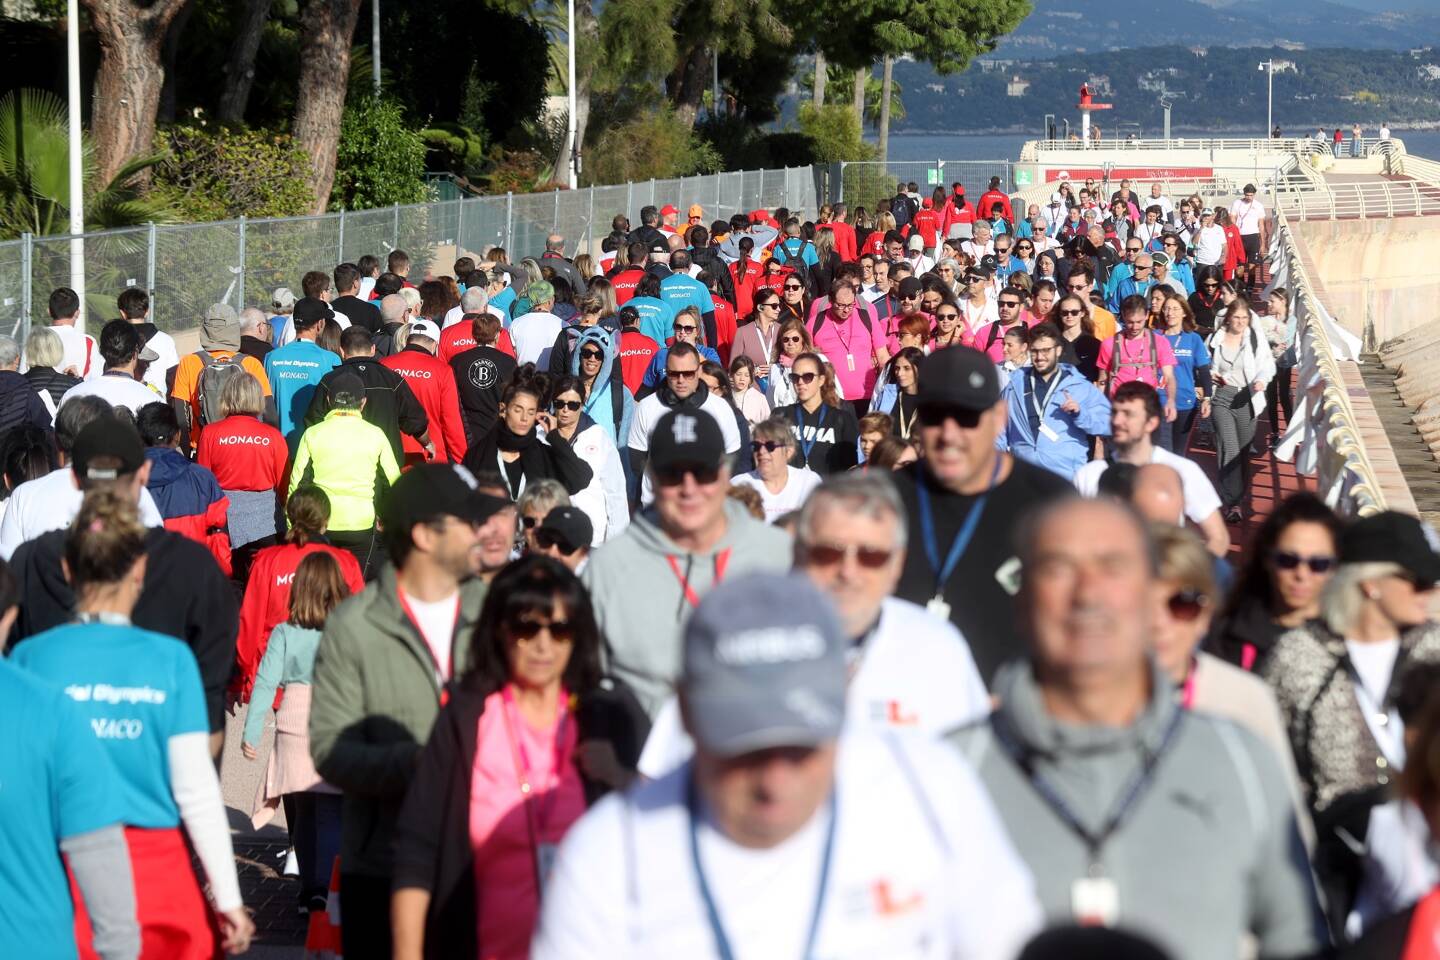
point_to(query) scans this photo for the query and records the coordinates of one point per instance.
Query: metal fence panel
(862, 183)
(187, 267)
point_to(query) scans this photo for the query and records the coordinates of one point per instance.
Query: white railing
(1122, 145)
(1318, 200)
(1323, 437)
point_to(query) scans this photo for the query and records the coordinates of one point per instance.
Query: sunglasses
(529, 523)
(549, 540)
(1077, 288)
(806, 378)
(1024, 246)
(1187, 605)
(1142, 269)
(769, 446)
(591, 355)
(1289, 560)
(793, 286)
(934, 415)
(674, 476)
(772, 305)
(1072, 313)
(947, 316)
(682, 374)
(525, 630)
(831, 554)
(1211, 286)
(571, 405)
(792, 339)
(1132, 249)
(685, 328)
(1009, 303)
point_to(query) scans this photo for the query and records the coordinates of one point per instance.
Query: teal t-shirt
(294, 371)
(657, 318)
(136, 689)
(55, 783)
(681, 290)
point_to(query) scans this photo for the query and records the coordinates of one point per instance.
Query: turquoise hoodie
(600, 405)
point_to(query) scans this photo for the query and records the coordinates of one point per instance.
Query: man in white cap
(784, 836)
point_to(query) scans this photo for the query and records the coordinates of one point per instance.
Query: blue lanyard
(712, 912)
(1094, 840)
(962, 538)
(805, 448)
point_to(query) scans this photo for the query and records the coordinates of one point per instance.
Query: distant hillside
(1086, 26)
(1213, 87)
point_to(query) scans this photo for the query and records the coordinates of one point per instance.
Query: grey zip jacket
(1209, 851)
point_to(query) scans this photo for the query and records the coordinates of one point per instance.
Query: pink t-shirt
(995, 349)
(508, 901)
(1135, 361)
(850, 348)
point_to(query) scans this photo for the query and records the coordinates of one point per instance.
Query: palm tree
(35, 174)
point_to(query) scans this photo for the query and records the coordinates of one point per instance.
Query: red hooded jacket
(433, 383)
(244, 453)
(267, 604)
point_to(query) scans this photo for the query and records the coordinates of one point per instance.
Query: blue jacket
(1127, 286)
(655, 373)
(1071, 450)
(600, 406)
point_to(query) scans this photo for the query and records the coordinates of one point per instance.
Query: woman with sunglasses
(1241, 367)
(758, 338)
(529, 739)
(1205, 682)
(897, 393)
(1182, 271)
(1207, 300)
(949, 272)
(603, 499)
(1081, 348)
(608, 403)
(949, 330)
(517, 450)
(783, 487)
(1024, 253)
(792, 341)
(794, 298)
(1278, 588)
(747, 396)
(826, 431)
(1337, 677)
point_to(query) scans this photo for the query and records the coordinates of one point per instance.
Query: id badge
(938, 607)
(1095, 901)
(850, 361)
(1048, 433)
(545, 860)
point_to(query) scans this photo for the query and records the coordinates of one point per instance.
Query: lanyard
(537, 818)
(712, 912)
(505, 475)
(1187, 689)
(805, 447)
(440, 674)
(1128, 798)
(1038, 402)
(905, 425)
(962, 538)
(722, 560)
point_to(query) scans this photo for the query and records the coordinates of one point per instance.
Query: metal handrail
(1249, 145)
(1344, 474)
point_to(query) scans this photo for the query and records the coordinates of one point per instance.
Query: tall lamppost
(1269, 67)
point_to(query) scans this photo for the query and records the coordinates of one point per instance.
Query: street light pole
(572, 173)
(77, 169)
(1269, 67)
(375, 44)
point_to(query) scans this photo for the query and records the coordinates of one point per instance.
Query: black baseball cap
(910, 287)
(989, 263)
(659, 246)
(569, 526)
(1392, 537)
(686, 438)
(312, 309)
(959, 377)
(107, 438)
(430, 491)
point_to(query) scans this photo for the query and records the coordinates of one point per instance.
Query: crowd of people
(765, 587)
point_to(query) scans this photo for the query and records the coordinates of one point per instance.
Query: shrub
(220, 173)
(834, 132)
(654, 144)
(381, 159)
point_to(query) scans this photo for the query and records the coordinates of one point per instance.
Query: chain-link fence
(187, 267)
(861, 183)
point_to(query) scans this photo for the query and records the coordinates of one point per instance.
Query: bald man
(1159, 494)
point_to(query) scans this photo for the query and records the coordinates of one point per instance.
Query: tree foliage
(381, 158)
(654, 144)
(223, 173)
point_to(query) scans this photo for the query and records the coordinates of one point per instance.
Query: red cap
(759, 216)
(668, 210)
(927, 203)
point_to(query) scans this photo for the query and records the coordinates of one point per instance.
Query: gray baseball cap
(764, 666)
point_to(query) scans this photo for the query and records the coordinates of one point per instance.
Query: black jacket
(20, 405)
(185, 595)
(539, 461)
(390, 404)
(432, 837)
(50, 380)
(709, 260)
(385, 339)
(480, 376)
(358, 311)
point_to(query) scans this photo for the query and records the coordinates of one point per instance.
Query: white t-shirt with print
(922, 869)
(798, 484)
(648, 413)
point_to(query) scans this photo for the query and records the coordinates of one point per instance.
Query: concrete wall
(1381, 274)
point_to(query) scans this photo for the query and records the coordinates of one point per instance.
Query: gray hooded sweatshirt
(1210, 850)
(640, 600)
